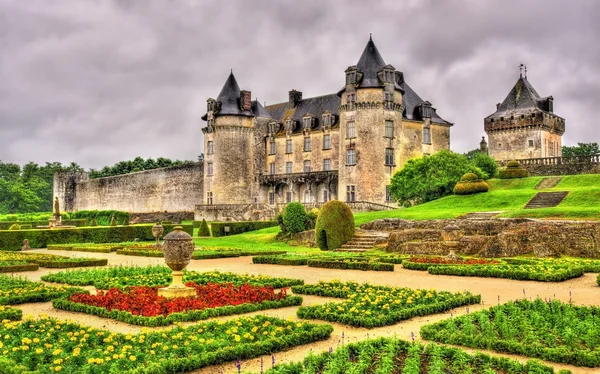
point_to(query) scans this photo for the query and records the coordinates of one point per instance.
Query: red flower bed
(144, 301)
(448, 261)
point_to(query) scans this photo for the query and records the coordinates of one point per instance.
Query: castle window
(307, 144)
(388, 194)
(272, 147)
(271, 198)
(426, 135)
(288, 197)
(388, 97)
(272, 168)
(307, 166)
(350, 130)
(209, 198)
(530, 142)
(272, 128)
(210, 106)
(389, 156)
(351, 98)
(327, 119)
(326, 195)
(389, 129)
(351, 77)
(289, 125)
(501, 118)
(499, 145)
(388, 76)
(288, 146)
(327, 164)
(209, 168)
(288, 167)
(326, 141)
(350, 193)
(307, 197)
(351, 157)
(210, 147)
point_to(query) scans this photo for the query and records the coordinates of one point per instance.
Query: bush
(486, 163)
(469, 177)
(430, 177)
(335, 225)
(311, 219)
(126, 221)
(203, 230)
(218, 228)
(279, 219)
(294, 217)
(40, 238)
(94, 222)
(113, 221)
(512, 170)
(470, 184)
(15, 226)
(102, 216)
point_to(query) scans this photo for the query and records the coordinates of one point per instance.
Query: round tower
(370, 128)
(229, 147)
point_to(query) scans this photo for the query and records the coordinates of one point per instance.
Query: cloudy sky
(100, 81)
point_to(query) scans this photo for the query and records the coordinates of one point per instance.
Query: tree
(430, 177)
(486, 163)
(581, 149)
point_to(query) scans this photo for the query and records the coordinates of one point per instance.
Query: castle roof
(314, 106)
(259, 110)
(370, 63)
(522, 99)
(229, 99)
(411, 101)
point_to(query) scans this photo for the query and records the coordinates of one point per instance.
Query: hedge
(11, 314)
(72, 263)
(335, 225)
(350, 265)
(218, 228)
(67, 222)
(188, 316)
(102, 216)
(82, 248)
(278, 260)
(13, 240)
(558, 273)
(17, 266)
(512, 170)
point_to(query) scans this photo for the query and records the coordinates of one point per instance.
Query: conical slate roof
(259, 110)
(522, 99)
(369, 64)
(229, 98)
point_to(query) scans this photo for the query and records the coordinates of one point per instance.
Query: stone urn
(452, 233)
(157, 231)
(177, 248)
(25, 246)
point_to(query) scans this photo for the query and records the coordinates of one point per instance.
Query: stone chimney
(295, 98)
(246, 100)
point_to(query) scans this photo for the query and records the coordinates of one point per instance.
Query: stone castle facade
(524, 126)
(345, 145)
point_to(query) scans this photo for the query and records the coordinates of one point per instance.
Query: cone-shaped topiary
(203, 230)
(470, 183)
(113, 222)
(512, 170)
(126, 221)
(294, 217)
(94, 222)
(335, 225)
(15, 226)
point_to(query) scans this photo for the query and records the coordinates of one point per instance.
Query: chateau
(524, 125)
(345, 146)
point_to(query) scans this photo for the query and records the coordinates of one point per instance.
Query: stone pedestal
(177, 288)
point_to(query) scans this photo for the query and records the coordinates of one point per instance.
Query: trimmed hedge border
(11, 314)
(218, 228)
(66, 247)
(46, 294)
(277, 260)
(73, 263)
(141, 253)
(343, 265)
(598, 280)
(189, 316)
(494, 271)
(17, 268)
(41, 238)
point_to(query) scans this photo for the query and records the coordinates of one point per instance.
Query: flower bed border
(67, 247)
(73, 263)
(19, 268)
(11, 314)
(277, 260)
(582, 357)
(492, 271)
(343, 265)
(47, 295)
(189, 316)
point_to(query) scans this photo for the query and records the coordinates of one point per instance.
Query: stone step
(548, 182)
(546, 199)
(351, 249)
(347, 245)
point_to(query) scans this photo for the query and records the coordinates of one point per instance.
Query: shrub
(512, 170)
(126, 221)
(486, 163)
(430, 177)
(311, 219)
(279, 219)
(335, 225)
(26, 227)
(102, 216)
(94, 222)
(15, 226)
(469, 184)
(294, 217)
(113, 222)
(203, 230)
(218, 228)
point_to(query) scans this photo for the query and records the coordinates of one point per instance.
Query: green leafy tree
(135, 165)
(486, 163)
(294, 217)
(581, 149)
(430, 177)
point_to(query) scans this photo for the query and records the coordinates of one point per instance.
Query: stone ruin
(491, 237)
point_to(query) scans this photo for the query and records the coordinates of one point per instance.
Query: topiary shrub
(203, 230)
(113, 222)
(512, 170)
(15, 226)
(126, 221)
(335, 225)
(94, 222)
(294, 217)
(469, 184)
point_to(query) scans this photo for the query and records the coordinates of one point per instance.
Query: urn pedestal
(177, 248)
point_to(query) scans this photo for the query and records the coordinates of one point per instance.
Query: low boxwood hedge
(72, 262)
(41, 238)
(10, 313)
(218, 228)
(350, 265)
(17, 266)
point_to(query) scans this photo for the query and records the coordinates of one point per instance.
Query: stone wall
(172, 189)
(154, 217)
(561, 165)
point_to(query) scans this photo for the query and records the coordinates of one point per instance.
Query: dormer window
(307, 122)
(272, 128)
(327, 120)
(289, 125)
(210, 105)
(388, 76)
(351, 77)
(351, 98)
(388, 97)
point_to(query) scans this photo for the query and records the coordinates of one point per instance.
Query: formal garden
(91, 292)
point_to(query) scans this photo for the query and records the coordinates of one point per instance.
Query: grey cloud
(102, 81)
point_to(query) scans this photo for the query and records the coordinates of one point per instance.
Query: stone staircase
(479, 215)
(364, 240)
(548, 183)
(546, 199)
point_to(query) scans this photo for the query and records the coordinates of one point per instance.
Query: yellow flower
(57, 369)
(58, 361)
(39, 351)
(132, 358)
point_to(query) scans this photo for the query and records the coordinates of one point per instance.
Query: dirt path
(581, 291)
